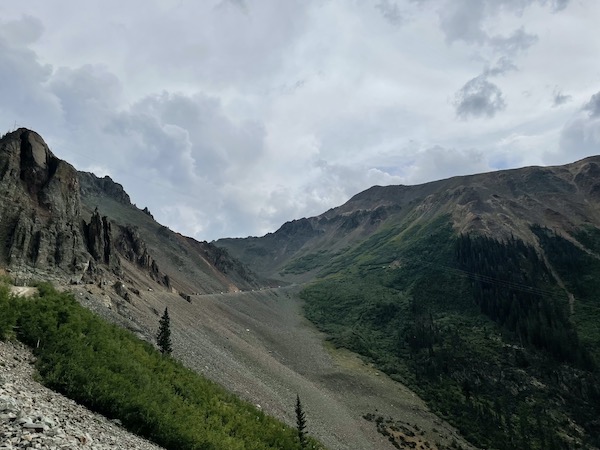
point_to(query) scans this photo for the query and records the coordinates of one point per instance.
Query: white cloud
(229, 117)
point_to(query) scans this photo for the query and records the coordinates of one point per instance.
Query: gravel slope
(259, 346)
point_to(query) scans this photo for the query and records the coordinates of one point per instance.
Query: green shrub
(112, 372)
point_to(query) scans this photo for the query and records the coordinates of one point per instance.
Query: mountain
(479, 292)
(499, 204)
(59, 222)
(246, 333)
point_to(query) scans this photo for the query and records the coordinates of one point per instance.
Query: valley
(424, 316)
(259, 346)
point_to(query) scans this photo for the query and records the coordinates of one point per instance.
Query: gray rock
(8, 404)
(37, 426)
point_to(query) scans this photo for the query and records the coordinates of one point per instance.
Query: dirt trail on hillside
(259, 346)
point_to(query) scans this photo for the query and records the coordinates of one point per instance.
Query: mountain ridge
(227, 323)
(497, 203)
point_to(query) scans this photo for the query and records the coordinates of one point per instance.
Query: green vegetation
(163, 337)
(478, 328)
(110, 371)
(300, 423)
(308, 262)
(8, 313)
(579, 270)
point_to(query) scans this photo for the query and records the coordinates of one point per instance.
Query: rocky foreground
(32, 416)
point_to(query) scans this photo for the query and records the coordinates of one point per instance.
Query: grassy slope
(116, 374)
(501, 363)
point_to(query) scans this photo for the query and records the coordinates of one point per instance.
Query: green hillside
(110, 371)
(477, 327)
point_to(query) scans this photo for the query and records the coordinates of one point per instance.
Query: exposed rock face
(40, 216)
(90, 184)
(98, 234)
(40, 212)
(133, 248)
(68, 225)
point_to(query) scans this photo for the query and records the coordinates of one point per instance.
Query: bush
(112, 372)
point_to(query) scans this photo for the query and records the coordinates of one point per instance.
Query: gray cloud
(581, 135)
(241, 4)
(558, 5)
(593, 106)
(465, 20)
(189, 138)
(86, 93)
(227, 118)
(23, 31)
(518, 41)
(503, 65)
(558, 98)
(25, 101)
(478, 98)
(390, 11)
(461, 20)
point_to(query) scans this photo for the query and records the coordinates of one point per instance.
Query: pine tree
(300, 422)
(163, 337)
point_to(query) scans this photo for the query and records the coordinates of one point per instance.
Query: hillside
(478, 292)
(65, 424)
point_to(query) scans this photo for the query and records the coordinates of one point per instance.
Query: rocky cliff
(78, 227)
(40, 221)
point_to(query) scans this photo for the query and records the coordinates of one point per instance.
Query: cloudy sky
(230, 117)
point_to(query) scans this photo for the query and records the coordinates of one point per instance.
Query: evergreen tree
(163, 338)
(300, 422)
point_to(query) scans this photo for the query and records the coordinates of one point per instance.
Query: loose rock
(33, 416)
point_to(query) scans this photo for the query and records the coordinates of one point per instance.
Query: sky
(227, 118)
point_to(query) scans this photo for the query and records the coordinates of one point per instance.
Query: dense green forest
(477, 327)
(112, 372)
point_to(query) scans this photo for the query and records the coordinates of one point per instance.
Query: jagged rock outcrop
(99, 242)
(147, 212)
(60, 223)
(133, 248)
(41, 224)
(40, 212)
(91, 185)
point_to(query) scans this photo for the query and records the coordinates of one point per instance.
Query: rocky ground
(34, 417)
